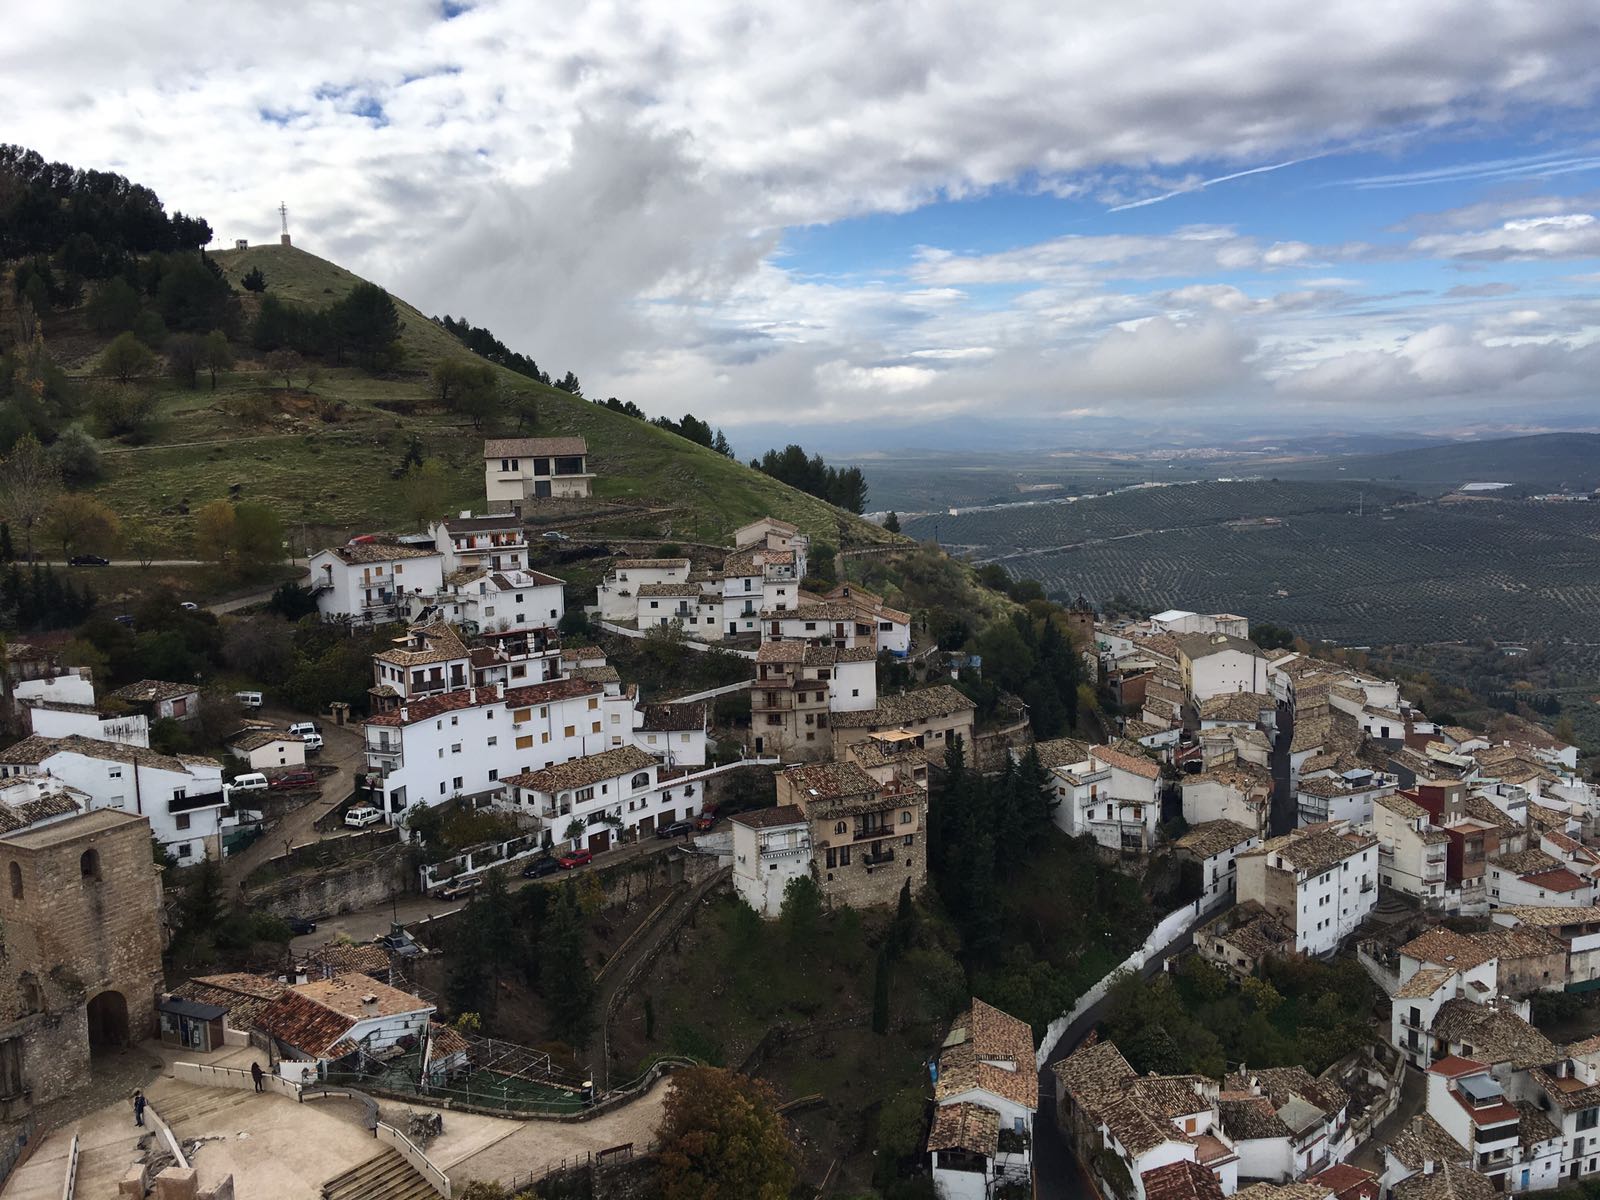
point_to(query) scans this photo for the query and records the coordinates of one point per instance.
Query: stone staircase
(384, 1176)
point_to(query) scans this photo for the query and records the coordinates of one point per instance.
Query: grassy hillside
(330, 472)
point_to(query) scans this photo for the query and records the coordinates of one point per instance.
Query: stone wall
(339, 888)
(80, 914)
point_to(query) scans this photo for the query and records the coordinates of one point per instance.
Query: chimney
(405, 714)
(466, 514)
(369, 1004)
(500, 689)
(474, 695)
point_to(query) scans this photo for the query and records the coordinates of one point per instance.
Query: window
(455, 747)
(905, 816)
(494, 741)
(493, 775)
(89, 864)
(526, 741)
(844, 856)
(570, 731)
(544, 738)
(595, 728)
(593, 703)
(185, 850)
(1589, 1118)
(841, 827)
(583, 794)
(114, 773)
(641, 780)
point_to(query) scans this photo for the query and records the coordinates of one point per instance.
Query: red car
(294, 779)
(706, 819)
(575, 858)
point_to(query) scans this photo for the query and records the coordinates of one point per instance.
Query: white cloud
(1560, 235)
(606, 185)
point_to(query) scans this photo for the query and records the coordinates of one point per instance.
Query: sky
(906, 223)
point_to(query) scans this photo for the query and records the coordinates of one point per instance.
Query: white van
(357, 817)
(308, 733)
(253, 781)
(248, 699)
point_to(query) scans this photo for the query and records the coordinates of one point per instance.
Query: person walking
(138, 1109)
(255, 1074)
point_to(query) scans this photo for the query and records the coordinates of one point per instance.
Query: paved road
(1057, 1173)
(344, 748)
(137, 562)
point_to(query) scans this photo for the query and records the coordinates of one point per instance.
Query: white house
(1111, 795)
(1412, 853)
(266, 749)
(52, 718)
(70, 688)
(1213, 663)
(587, 802)
(1533, 877)
(327, 1021)
(1320, 882)
(1515, 1147)
(463, 743)
(769, 533)
(496, 601)
(1328, 796)
(494, 543)
(986, 1086)
(1234, 791)
(29, 801)
(1180, 621)
(619, 589)
(771, 846)
(519, 472)
(372, 581)
(1568, 1090)
(1215, 845)
(180, 795)
(1314, 1111)
(673, 733)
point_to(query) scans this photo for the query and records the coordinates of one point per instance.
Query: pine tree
(904, 929)
(892, 522)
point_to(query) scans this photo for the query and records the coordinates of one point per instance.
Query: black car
(88, 560)
(540, 867)
(676, 829)
(300, 925)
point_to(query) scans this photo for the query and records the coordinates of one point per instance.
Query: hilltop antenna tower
(283, 213)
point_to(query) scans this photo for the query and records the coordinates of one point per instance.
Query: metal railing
(420, 1162)
(70, 1183)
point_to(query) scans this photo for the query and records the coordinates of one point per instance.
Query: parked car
(189, 606)
(575, 858)
(707, 818)
(248, 699)
(308, 733)
(459, 889)
(292, 779)
(676, 829)
(250, 781)
(300, 925)
(540, 867)
(362, 816)
(88, 560)
(555, 535)
(124, 619)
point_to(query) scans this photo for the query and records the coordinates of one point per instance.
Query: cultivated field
(1001, 532)
(1424, 573)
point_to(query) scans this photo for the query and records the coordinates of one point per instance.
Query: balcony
(885, 855)
(388, 752)
(184, 804)
(868, 832)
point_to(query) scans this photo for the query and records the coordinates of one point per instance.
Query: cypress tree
(880, 993)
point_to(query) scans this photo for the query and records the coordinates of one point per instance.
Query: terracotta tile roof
(1424, 1140)
(1400, 806)
(440, 643)
(60, 802)
(33, 751)
(1424, 982)
(444, 1041)
(1534, 1127)
(1508, 943)
(1445, 948)
(584, 772)
(1250, 1117)
(1202, 645)
(1316, 850)
(379, 552)
(433, 706)
(921, 705)
(1448, 1182)
(673, 717)
(1525, 862)
(1213, 837)
(316, 1017)
(1558, 880)
(257, 738)
(969, 1127)
(770, 818)
(1093, 1068)
(668, 590)
(1567, 1096)
(1134, 764)
(338, 957)
(1240, 776)
(827, 656)
(243, 995)
(148, 691)
(1495, 1035)
(1061, 752)
(534, 447)
(1302, 1190)
(1252, 930)
(1182, 1180)
(1481, 809)
(781, 652)
(1236, 706)
(646, 564)
(1344, 1177)
(1280, 1084)
(980, 1038)
(1552, 915)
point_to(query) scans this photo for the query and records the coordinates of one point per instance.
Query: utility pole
(283, 214)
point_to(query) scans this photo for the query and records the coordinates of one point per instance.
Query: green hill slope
(324, 454)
